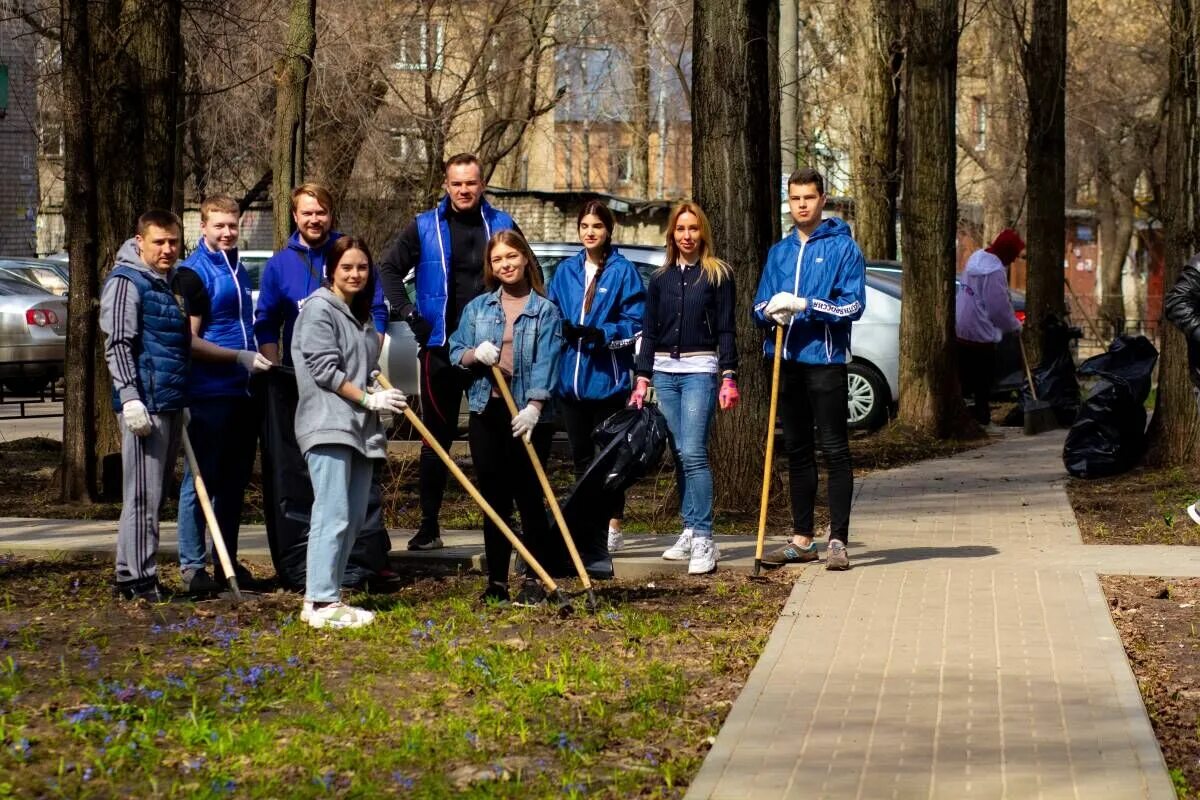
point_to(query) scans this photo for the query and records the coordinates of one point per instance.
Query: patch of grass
(440, 697)
(1143, 506)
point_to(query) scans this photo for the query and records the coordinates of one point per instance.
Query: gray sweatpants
(147, 463)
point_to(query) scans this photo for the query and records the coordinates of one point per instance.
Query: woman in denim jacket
(515, 327)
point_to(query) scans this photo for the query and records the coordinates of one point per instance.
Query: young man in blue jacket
(223, 430)
(813, 286)
(445, 247)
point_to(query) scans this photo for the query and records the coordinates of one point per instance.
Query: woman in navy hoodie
(601, 298)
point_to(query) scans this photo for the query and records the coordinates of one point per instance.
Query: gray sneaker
(835, 556)
(198, 583)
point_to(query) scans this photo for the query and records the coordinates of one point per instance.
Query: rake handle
(506, 393)
(1028, 374)
(209, 515)
(483, 504)
(766, 483)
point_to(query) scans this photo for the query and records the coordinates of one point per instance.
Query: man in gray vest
(147, 351)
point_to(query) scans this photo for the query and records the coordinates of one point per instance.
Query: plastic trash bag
(1109, 434)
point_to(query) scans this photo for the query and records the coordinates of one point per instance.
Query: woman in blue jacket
(515, 327)
(601, 298)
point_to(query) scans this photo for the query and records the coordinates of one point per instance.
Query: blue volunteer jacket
(288, 278)
(162, 348)
(230, 322)
(828, 271)
(537, 345)
(433, 271)
(598, 371)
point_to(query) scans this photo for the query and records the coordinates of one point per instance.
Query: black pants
(816, 395)
(581, 417)
(976, 365)
(442, 389)
(505, 477)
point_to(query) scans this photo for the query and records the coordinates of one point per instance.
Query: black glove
(586, 334)
(420, 327)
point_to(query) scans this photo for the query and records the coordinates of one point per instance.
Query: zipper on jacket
(437, 226)
(241, 321)
(787, 337)
(578, 349)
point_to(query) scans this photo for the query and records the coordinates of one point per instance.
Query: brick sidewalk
(969, 653)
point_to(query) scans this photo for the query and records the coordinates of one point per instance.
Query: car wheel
(867, 397)
(25, 386)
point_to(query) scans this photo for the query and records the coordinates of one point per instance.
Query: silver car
(33, 336)
(48, 274)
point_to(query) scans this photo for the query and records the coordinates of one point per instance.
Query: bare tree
(930, 397)
(291, 87)
(734, 164)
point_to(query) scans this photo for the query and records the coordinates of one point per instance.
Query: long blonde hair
(715, 270)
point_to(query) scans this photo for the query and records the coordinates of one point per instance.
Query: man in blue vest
(445, 246)
(147, 355)
(215, 290)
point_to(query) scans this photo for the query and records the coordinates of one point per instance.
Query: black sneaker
(245, 579)
(427, 538)
(198, 583)
(147, 589)
(531, 595)
(495, 594)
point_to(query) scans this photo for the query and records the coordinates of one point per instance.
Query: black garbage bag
(629, 444)
(1109, 434)
(288, 497)
(1055, 375)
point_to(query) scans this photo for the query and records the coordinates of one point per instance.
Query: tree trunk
(1115, 207)
(1003, 146)
(292, 71)
(789, 29)
(930, 397)
(122, 74)
(875, 142)
(735, 159)
(1174, 428)
(1045, 176)
(640, 112)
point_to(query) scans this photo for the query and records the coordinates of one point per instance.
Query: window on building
(50, 140)
(622, 158)
(420, 46)
(979, 112)
(406, 146)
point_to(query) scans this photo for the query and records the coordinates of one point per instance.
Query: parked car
(45, 273)
(33, 336)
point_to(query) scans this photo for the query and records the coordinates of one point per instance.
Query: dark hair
(459, 159)
(159, 218)
(360, 304)
(806, 175)
(533, 270)
(597, 209)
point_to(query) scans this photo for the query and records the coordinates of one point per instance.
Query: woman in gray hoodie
(335, 348)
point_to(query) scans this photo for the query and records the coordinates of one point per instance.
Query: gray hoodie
(330, 347)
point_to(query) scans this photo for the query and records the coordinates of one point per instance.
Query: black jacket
(687, 314)
(1182, 307)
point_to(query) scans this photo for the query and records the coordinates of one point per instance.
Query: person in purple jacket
(983, 316)
(296, 271)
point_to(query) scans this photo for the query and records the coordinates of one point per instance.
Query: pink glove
(729, 396)
(638, 398)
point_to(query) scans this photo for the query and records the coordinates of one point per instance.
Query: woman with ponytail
(601, 297)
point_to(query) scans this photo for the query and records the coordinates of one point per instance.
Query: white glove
(253, 362)
(525, 421)
(487, 354)
(783, 306)
(387, 400)
(137, 418)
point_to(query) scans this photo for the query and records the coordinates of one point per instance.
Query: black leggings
(581, 417)
(442, 389)
(976, 368)
(505, 476)
(809, 395)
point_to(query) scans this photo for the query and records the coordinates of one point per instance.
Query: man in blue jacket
(223, 430)
(296, 271)
(146, 349)
(812, 286)
(445, 247)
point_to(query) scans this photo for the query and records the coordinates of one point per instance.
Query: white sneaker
(682, 549)
(306, 612)
(339, 615)
(616, 540)
(1194, 512)
(705, 555)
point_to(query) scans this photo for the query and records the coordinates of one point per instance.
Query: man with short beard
(445, 246)
(215, 289)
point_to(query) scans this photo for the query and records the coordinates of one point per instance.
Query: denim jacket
(537, 347)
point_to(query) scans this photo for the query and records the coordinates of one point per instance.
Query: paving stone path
(969, 652)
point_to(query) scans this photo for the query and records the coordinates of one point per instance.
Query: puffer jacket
(1182, 307)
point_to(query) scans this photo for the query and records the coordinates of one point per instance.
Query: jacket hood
(830, 227)
(328, 296)
(983, 262)
(296, 243)
(128, 255)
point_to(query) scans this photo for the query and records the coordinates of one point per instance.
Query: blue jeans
(341, 480)
(689, 401)
(224, 435)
